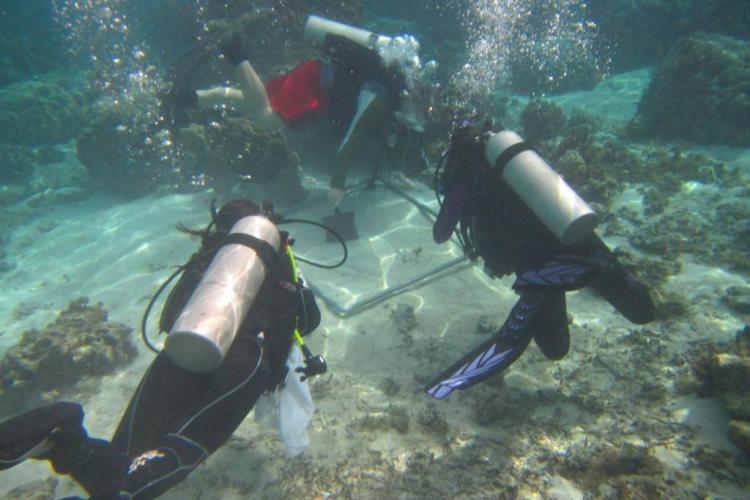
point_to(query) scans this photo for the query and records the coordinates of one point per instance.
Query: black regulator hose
(328, 229)
(155, 297)
(147, 312)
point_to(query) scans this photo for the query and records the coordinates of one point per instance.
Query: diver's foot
(34, 434)
(231, 48)
(628, 296)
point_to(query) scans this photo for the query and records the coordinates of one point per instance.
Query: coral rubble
(722, 371)
(542, 120)
(79, 343)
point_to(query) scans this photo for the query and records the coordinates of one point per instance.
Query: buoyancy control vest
(276, 310)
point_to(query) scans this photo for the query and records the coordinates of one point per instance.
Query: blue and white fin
(559, 274)
(494, 355)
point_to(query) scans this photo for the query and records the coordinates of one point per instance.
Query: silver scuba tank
(316, 29)
(207, 325)
(542, 189)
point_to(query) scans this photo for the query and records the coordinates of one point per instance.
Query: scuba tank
(542, 189)
(316, 29)
(220, 283)
(204, 330)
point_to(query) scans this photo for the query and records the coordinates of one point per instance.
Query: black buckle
(314, 365)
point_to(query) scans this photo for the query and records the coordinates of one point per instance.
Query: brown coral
(79, 343)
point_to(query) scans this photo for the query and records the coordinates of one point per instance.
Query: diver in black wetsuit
(177, 418)
(496, 224)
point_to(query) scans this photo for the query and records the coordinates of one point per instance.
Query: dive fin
(563, 273)
(30, 435)
(494, 355)
(343, 224)
(630, 297)
(550, 327)
(490, 358)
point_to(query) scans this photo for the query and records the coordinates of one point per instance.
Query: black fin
(562, 273)
(494, 355)
(630, 297)
(343, 224)
(26, 436)
(550, 328)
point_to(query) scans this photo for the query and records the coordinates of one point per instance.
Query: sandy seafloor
(547, 430)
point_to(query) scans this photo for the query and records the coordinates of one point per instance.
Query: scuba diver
(233, 317)
(520, 216)
(358, 83)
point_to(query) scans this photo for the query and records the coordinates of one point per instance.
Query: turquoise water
(655, 134)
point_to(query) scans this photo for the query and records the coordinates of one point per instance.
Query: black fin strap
(511, 152)
(264, 250)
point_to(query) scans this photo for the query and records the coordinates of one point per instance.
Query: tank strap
(264, 250)
(502, 161)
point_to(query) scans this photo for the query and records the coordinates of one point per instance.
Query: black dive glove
(176, 102)
(232, 49)
(185, 98)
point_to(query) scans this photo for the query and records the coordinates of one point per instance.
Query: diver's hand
(335, 195)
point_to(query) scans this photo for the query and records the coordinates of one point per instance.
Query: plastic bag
(289, 409)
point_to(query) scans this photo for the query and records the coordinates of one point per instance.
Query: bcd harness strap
(511, 152)
(264, 250)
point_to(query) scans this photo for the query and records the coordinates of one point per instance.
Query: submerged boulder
(50, 110)
(123, 158)
(234, 150)
(701, 92)
(120, 156)
(542, 120)
(16, 162)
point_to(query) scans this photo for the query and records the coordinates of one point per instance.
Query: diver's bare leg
(220, 96)
(257, 104)
(251, 98)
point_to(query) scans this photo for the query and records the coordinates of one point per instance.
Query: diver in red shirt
(355, 83)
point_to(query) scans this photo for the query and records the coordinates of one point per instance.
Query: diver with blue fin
(233, 318)
(513, 210)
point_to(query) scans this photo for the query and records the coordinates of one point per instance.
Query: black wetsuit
(355, 69)
(510, 238)
(177, 418)
(353, 66)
